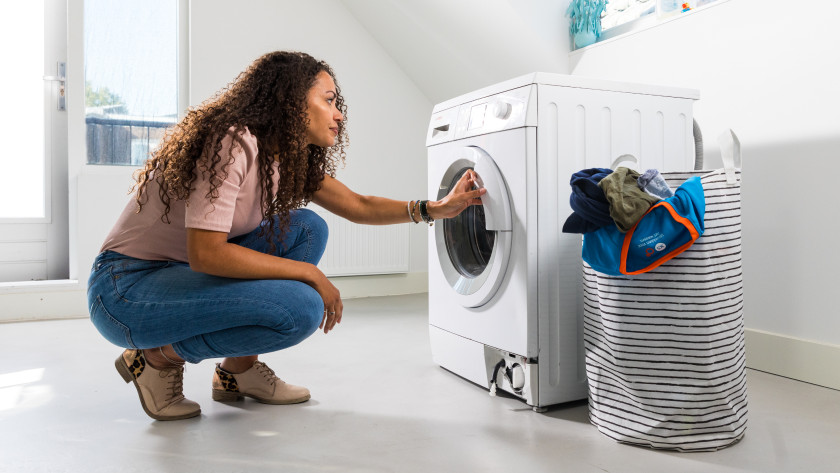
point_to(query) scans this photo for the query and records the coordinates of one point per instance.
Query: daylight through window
(131, 77)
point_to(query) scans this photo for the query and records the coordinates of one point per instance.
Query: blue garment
(137, 303)
(654, 184)
(590, 207)
(667, 229)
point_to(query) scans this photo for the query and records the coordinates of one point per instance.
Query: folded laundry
(627, 202)
(590, 207)
(654, 184)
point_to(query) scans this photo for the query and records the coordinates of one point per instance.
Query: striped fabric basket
(665, 355)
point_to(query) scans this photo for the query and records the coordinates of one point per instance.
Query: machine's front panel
(478, 275)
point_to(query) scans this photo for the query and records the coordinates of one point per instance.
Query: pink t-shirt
(237, 210)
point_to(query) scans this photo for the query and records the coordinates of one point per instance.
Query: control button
(501, 110)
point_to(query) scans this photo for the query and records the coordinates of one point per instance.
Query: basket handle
(730, 153)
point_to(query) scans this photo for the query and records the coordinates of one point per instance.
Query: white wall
(449, 48)
(769, 71)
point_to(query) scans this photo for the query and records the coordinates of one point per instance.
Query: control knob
(501, 110)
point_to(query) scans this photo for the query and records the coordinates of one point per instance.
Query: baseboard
(42, 300)
(51, 300)
(381, 285)
(803, 360)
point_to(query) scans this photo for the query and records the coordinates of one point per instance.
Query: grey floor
(378, 404)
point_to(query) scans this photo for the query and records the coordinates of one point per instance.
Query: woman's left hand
(462, 195)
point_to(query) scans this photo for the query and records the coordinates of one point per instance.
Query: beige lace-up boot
(258, 382)
(161, 391)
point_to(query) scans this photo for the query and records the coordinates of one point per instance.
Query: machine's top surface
(564, 80)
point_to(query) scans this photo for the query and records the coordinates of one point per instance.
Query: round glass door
(468, 242)
(472, 256)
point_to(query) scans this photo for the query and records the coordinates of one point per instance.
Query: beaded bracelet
(410, 211)
(414, 208)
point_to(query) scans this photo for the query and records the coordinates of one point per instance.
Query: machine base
(483, 365)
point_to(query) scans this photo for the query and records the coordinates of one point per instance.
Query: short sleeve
(217, 215)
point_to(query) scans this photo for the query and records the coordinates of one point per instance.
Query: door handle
(61, 79)
(497, 213)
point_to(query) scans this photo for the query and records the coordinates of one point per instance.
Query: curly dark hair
(269, 98)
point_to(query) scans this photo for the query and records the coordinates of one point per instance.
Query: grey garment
(654, 184)
(628, 203)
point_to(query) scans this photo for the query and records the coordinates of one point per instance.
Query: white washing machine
(505, 289)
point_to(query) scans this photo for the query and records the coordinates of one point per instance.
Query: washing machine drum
(474, 247)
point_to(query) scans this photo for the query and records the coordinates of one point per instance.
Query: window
(619, 12)
(22, 91)
(131, 77)
(621, 16)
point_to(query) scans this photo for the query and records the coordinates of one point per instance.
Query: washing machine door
(474, 247)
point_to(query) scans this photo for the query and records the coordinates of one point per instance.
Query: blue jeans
(137, 303)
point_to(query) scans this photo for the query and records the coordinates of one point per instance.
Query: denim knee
(316, 224)
(316, 231)
(311, 218)
(293, 316)
(309, 312)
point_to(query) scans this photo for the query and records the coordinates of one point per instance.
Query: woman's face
(321, 112)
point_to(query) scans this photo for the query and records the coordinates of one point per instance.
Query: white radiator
(354, 250)
(23, 252)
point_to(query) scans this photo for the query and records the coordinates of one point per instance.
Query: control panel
(502, 111)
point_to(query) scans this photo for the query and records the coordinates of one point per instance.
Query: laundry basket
(665, 355)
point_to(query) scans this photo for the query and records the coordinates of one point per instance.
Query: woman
(214, 258)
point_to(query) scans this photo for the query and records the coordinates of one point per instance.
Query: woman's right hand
(333, 307)
(463, 194)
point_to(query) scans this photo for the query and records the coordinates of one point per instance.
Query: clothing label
(650, 239)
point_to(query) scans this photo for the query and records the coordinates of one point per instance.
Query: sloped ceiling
(450, 47)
